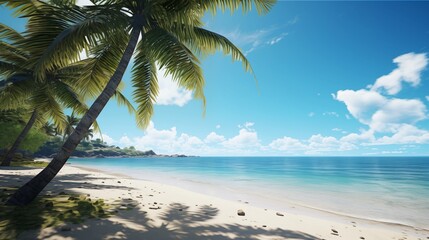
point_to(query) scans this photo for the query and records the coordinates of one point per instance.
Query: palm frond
(262, 6)
(9, 34)
(145, 85)
(177, 60)
(208, 42)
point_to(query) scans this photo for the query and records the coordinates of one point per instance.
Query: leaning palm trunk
(9, 155)
(31, 189)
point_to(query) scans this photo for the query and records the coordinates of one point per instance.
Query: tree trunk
(11, 153)
(31, 189)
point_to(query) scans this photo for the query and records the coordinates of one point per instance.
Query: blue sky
(334, 78)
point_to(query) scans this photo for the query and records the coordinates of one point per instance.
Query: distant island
(97, 149)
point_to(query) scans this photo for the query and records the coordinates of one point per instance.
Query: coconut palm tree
(71, 122)
(171, 34)
(45, 99)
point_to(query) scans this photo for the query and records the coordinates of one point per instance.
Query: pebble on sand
(279, 214)
(65, 228)
(240, 212)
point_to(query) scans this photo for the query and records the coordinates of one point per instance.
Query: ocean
(388, 189)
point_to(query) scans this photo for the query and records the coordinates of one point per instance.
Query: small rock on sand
(362, 238)
(334, 231)
(279, 214)
(119, 181)
(240, 212)
(264, 225)
(65, 228)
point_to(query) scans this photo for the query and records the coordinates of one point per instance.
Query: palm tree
(89, 135)
(71, 123)
(45, 99)
(50, 129)
(172, 35)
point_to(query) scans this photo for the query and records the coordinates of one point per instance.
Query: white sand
(190, 215)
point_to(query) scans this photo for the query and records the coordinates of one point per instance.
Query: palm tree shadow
(178, 222)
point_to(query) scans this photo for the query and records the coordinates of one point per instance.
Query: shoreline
(180, 213)
(321, 211)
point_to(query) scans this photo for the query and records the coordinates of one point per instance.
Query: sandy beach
(162, 211)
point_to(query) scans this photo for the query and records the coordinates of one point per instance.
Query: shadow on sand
(177, 220)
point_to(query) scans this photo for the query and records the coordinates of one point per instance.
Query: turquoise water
(392, 189)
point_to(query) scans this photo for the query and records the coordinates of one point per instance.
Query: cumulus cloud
(404, 135)
(169, 141)
(361, 104)
(214, 138)
(383, 113)
(104, 137)
(287, 144)
(246, 139)
(409, 69)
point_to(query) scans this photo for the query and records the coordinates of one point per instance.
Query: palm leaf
(145, 85)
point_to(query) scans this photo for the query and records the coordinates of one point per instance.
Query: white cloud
(331, 114)
(83, 2)
(404, 135)
(246, 139)
(169, 141)
(409, 68)
(311, 114)
(217, 126)
(318, 143)
(427, 98)
(125, 141)
(276, 39)
(362, 103)
(214, 138)
(397, 112)
(364, 137)
(251, 41)
(104, 137)
(169, 92)
(385, 114)
(287, 144)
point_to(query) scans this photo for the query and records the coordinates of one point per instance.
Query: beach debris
(65, 228)
(240, 212)
(154, 208)
(123, 208)
(279, 214)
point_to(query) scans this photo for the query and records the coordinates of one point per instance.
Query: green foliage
(9, 131)
(34, 164)
(47, 211)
